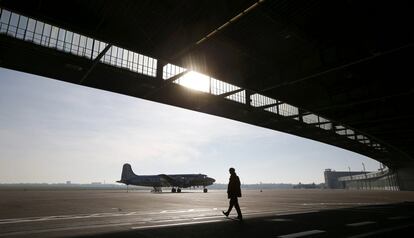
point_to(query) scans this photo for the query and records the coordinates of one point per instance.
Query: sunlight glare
(196, 81)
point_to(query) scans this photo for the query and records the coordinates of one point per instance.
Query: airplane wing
(169, 180)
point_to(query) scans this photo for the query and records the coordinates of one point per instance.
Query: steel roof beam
(223, 95)
(95, 62)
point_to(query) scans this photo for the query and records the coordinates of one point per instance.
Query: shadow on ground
(390, 220)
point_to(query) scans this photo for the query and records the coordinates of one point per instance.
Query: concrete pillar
(405, 177)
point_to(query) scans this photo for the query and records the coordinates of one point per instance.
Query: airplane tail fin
(127, 173)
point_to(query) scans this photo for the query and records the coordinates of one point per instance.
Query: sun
(196, 81)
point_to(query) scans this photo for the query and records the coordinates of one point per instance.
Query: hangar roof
(349, 61)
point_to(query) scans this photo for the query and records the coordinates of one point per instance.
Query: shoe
(240, 218)
(225, 213)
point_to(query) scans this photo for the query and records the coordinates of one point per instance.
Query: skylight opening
(288, 110)
(273, 109)
(195, 81)
(310, 118)
(40, 33)
(219, 87)
(258, 100)
(325, 124)
(170, 70)
(238, 97)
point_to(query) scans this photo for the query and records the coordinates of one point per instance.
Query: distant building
(332, 177)
(307, 186)
(68, 182)
(383, 179)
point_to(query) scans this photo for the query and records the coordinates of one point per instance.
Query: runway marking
(175, 224)
(295, 212)
(107, 215)
(188, 210)
(398, 218)
(172, 220)
(361, 223)
(96, 215)
(206, 217)
(303, 233)
(280, 219)
(191, 220)
(175, 211)
(370, 234)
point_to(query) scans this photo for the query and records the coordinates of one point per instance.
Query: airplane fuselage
(145, 180)
(128, 177)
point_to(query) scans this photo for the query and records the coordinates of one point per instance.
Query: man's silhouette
(234, 192)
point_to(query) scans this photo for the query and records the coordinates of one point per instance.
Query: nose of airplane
(212, 180)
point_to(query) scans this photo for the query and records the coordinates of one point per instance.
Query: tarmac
(192, 213)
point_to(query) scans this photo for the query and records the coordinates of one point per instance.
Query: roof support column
(248, 99)
(160, 69)
(300, 114)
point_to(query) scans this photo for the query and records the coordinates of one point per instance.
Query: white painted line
(171, 220)
(370, 234)
(207, 217)
(303, 233)
(95, 215)
(210, 211)
(278, 213)
(296, 212)
(280, 219)
(175, 224)
(176, 211)
(364, 223)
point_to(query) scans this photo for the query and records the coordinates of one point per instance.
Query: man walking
(234, 192)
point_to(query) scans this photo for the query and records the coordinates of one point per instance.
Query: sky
(53, 132)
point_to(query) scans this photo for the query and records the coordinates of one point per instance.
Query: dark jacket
(233, 189)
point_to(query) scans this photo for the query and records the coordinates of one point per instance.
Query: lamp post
(365, 173)
(350, 175)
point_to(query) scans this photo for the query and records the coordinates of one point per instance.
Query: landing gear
(205, 190)
(156, 190)
(174, 190)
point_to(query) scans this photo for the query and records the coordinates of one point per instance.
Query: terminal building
(383, 179)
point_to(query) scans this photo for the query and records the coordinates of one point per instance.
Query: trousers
(234, 202)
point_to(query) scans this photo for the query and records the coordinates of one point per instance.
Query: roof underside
(348, 61)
